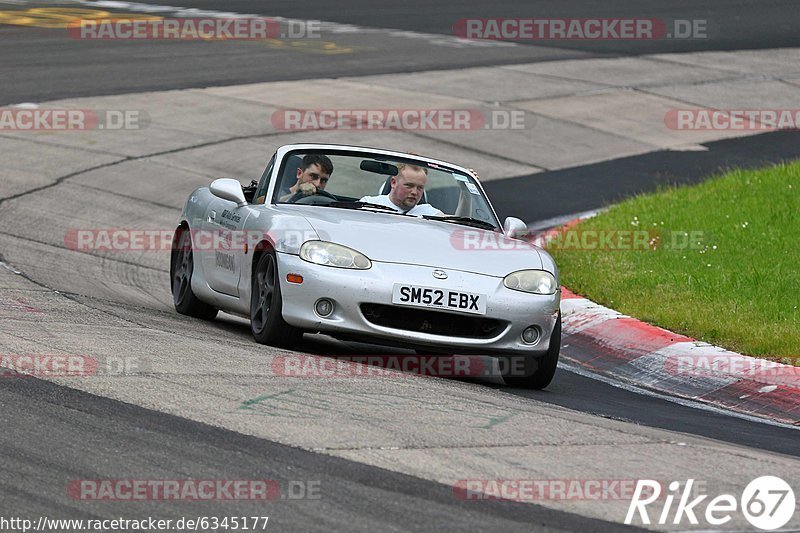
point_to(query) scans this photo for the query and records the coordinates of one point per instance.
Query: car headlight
(335, 255)
(535, 281)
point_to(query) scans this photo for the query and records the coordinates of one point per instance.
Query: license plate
(436, 298)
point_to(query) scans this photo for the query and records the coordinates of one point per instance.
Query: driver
(408, 187)
(313, 173)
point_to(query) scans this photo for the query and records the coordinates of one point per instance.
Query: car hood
(404, 239)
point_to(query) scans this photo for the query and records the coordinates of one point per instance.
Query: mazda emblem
(439, 274)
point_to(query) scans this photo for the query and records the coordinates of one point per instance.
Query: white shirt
(417, 210)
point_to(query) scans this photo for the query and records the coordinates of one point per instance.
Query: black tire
(180, 271)
(266, 303)
(539, 372)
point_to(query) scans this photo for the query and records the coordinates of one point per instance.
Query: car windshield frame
(379, 156)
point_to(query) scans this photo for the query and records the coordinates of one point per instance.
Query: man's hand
(307, 189)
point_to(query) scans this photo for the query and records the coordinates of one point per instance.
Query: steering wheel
(297, 197)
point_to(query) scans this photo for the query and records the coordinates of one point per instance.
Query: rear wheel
(181, 269)
(266, 303)
(536, 373)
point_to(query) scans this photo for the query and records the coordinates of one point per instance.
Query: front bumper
(350, 290)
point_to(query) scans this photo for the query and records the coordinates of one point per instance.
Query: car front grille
(432, 322)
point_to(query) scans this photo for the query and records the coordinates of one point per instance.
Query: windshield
(380, 183)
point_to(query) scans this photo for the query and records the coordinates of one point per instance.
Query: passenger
(408, 187)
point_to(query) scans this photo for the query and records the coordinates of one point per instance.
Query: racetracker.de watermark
(39, 119)
(732, 119)
(580, 29)
(207, 28)
(404, 366)
(578, 239)
(163, 240)
(375, 366)
(398, 119)
(121, 490)
(44, 365)
(531, 490)
(465, 239)
(770, 370)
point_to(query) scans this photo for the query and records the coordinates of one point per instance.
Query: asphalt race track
(635, 175)
(127, 438)
(203, 403)
(58, 68)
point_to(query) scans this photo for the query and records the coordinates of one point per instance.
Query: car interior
(450, 193)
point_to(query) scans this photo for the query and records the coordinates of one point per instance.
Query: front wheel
(266, 303)
(537, 373)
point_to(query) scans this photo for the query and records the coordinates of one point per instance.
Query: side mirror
(515, 228)
(228, 189)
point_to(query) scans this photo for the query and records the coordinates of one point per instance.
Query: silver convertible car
(370, 245)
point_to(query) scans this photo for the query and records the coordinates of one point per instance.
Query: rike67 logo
(767, 503)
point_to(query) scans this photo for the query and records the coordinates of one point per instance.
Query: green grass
(737, 285)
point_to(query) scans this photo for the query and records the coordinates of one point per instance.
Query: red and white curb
(608, 343)
(625, 349)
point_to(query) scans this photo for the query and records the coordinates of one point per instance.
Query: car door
(223, 242)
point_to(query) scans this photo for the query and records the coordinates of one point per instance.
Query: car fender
(283, 232)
